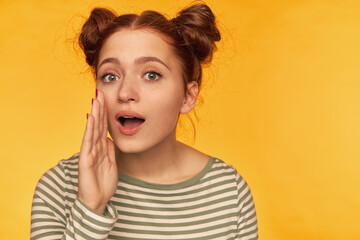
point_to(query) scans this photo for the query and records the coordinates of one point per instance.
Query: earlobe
(190, 97)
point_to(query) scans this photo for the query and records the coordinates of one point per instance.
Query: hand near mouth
(98, 173)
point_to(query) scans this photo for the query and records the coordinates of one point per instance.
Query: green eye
(109, 77)
(152, 75)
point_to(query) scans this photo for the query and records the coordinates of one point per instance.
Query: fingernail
(96, 92)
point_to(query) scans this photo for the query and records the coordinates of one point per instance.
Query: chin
(131, 147)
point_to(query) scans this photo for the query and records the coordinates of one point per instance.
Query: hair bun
(98, 22)
(198, 27)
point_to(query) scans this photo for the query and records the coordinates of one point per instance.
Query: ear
(192, 91)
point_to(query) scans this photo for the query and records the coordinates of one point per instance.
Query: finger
(105, 122)
(95, 111)
(100, 98)
(111, 151)
(87, 141)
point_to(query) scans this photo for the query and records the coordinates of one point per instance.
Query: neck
(158, 164)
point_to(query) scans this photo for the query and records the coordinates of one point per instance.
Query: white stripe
(184, 196)
(182, 236)
(181, 204)
(62, 182)
(175, 213)
(250, 218)
(251, 214)
(245, 208)
(178, 228)
(42, 231)
(92, 215)
(51, 193)
(57, 226)
(170, 191)
(185, 199)
(83, 222)
(247, 230)
(178, 220)
(42, 215)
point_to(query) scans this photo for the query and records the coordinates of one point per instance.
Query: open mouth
(130, 121)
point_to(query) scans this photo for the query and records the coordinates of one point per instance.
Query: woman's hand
(98, 173)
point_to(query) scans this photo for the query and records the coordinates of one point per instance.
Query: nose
(128, 91)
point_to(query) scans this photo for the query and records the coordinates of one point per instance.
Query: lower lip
(129, 131)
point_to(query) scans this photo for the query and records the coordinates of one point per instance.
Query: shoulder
(247, 220)
(60, 178)
(69, 166)
(219, 173)
(66, 168)
(222, 169)
(56, 190)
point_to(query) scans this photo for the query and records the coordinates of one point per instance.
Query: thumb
(111, 150)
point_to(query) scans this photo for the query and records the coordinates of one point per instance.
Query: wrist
(95, 207)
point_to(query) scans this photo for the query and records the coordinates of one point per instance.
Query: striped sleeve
(247, 221)
(58, 214)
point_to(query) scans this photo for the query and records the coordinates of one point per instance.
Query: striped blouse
(214, 204)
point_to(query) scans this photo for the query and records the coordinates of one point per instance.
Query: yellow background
(282, 104)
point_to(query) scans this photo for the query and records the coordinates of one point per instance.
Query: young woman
(143, 184)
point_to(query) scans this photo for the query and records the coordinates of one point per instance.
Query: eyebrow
(109, 60)
(140, 60)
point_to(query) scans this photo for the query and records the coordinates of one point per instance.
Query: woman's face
(141, 79)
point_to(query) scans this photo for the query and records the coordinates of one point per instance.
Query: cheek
(109, 104)
(169, 105)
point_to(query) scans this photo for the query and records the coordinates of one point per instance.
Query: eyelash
(108, 74)
(159, 75)
(103, 77)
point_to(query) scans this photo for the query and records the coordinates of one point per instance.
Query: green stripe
(47, 190)
(248, 234)
(46, 220)
(245, 195)
(185, 193)
(178, 209)
(49, 178)
(47, 234)
(34, 229)
(165, 201)
(69, 233)
(43, 212)
(90, 229)
(82, 234)
(75, 156)
(215, 176)
(65, 180)
(94, 221)
(169, 233)
(190, 182)
(251, 224)
(178, 216)
(53, 208)
(152, 222)
(248, 210)
(67, 172)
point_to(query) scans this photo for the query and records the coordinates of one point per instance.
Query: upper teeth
(127, 117)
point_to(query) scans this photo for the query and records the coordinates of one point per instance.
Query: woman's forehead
(129, 45)
(132, 40)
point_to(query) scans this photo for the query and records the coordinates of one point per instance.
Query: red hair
(192, 34)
